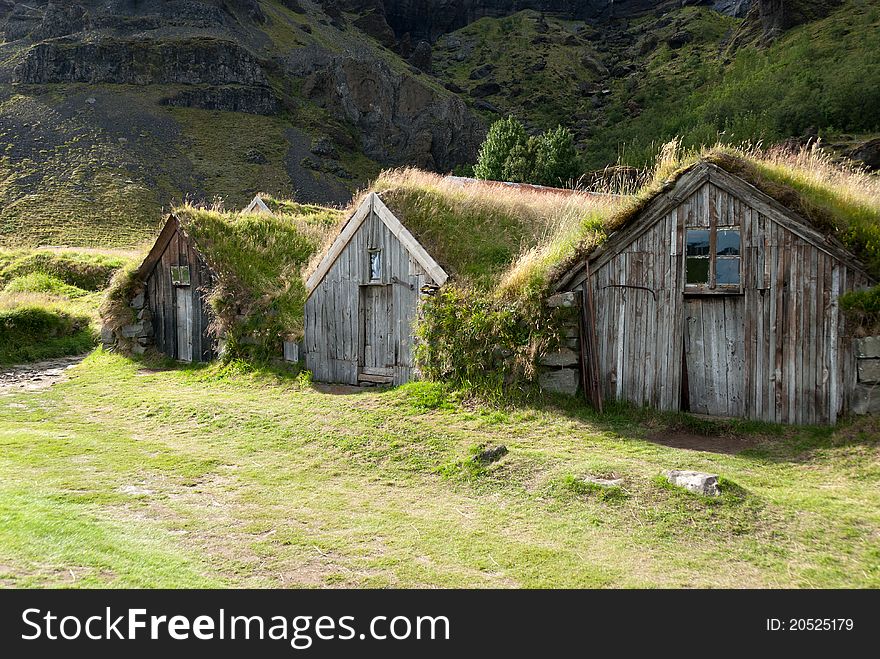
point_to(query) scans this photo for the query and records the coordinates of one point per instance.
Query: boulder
(869, 370)
(375, 24)
(137, 302)
(133, 331)
(868, 347)
(482, 71)
(488, 454)
(421, 57)
(564, 357)
(322, 146)
(486, 89)
(107, 337)
(695, 481)
(868, 154)
(866, 399)
(562, 381)
(566, 300)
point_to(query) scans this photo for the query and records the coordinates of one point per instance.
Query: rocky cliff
(161, 100)
(116, 108)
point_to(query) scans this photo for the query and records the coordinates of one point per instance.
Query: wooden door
(377, 347)
(714, 356)
(183, 304)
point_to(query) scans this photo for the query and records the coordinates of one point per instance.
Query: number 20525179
(810, 624)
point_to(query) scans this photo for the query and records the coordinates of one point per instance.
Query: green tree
(556, 160)
(504, 136)
(519, 167)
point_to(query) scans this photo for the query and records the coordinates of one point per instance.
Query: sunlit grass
(211, 476)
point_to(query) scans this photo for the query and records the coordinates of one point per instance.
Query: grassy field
(134, 476)
(49, 300)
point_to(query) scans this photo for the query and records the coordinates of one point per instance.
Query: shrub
(482, 343)
(508, 154)
(504, 136)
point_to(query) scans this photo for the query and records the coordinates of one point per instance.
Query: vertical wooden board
(810, 319)
(833, 345)
(184, 325)
(821, 338)
(739, 351)
(721, 357)
(748, 357)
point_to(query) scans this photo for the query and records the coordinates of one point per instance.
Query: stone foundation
(866, 397)
(136, 336)
(559, 371)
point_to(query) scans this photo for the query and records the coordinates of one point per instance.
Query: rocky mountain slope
(110, 110)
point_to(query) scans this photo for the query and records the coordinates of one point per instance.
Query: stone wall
(136, 336)
(559, 371)
(867, 393)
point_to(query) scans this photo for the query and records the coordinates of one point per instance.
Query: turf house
(405, 239)
(218, 282)
(720, 294)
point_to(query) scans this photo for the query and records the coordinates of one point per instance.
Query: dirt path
(36, 376)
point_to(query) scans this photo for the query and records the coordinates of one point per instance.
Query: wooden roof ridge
(676, 191)
(171, 226)
(373, 203)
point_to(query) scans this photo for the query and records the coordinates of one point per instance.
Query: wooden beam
(172, 224)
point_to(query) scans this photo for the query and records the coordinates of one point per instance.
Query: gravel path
(36, 376)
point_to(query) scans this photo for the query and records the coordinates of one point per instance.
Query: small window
(180, 275)
(713, 259)
(698, 256)
(375, 265)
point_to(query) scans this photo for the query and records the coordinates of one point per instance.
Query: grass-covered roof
(516, 240)
(837, 199)
(476, 230)
(257, 262)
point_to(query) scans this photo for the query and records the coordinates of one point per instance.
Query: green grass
(125, 477)
(32, 329)
(90, 271)
(49, 301)
(41, 282)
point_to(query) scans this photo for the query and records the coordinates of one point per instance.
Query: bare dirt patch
(729, 444)
(36, 376)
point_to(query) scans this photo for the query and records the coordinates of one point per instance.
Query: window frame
(377, 254)
(712, 287)
(177, 279)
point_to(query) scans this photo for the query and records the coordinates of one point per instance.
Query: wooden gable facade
(175, 276)
(716, 299)
(363, 300)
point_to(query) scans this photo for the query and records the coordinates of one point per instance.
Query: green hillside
(627, 88)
